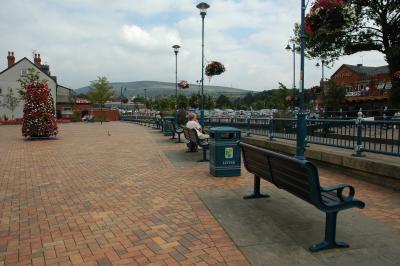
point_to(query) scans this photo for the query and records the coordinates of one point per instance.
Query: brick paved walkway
(93, 199)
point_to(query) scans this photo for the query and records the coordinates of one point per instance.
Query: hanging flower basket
(328, 16)
(396, 75)
(183, 84)
(214, 68)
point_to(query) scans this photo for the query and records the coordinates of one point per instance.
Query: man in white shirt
(193, 123)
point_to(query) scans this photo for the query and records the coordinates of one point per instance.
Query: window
(24, 72)
(67, 111)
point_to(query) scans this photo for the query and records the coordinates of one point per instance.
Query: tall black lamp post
(203, 11)
(293, 49)
(122, 96)
(176, 50)
(301, 115)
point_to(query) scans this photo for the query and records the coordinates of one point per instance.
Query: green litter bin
(225, 157)
(166, 130)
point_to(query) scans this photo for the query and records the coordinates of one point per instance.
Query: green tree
(375, 28)
(11, 102)
(101, 92)
(258, 105)
(139, 99)
(223, 102)
(194, 100)
(182, 101)
(278, 99)
(209, 102)
(248, 99)
(333, 95)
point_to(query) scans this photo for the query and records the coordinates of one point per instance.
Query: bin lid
(224, 129)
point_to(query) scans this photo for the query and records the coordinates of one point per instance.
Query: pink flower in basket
(183, 84)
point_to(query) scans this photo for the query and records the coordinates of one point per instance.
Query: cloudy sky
(130, 40)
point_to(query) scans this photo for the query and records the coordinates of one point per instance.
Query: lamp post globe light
(293, 49)
(323, 64)
(301, 115)
(203, 11)
(176, 50)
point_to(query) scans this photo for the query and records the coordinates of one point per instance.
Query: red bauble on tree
(39, 119)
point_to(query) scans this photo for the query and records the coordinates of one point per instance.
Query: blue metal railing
(376, 136)
(382, 136)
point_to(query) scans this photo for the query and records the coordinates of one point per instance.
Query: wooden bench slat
(300, 178)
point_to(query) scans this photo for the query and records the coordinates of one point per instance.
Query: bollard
(248, 133)
(358, 149)
(271, 129)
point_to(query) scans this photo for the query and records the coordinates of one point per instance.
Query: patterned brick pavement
(88, 198)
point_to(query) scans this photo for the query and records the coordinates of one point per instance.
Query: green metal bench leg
(179, 138)
(256, 191)
(330, 235)
(204, 156)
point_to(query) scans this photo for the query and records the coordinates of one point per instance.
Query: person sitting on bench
(193, 123)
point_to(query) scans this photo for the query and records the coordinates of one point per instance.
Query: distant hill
(159, 89)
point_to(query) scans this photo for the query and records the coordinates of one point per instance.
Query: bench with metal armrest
(301, 179)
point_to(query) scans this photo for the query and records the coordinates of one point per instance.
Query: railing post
(271, 129)
(248, 133)
(358, 149)
(306, 143)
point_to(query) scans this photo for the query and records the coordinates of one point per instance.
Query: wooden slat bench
(300, 178)
(192, 146)
(175, 130)
(203, 143)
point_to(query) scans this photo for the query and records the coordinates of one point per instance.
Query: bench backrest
(193, 135)
(186, 133)
(171, 126)
(298, 177)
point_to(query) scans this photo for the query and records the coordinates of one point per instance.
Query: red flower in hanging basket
(183, 84)
(328, 16)
(214, 68)
(396, 75)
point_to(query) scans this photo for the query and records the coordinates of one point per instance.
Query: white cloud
(156, 37)
(129, 40)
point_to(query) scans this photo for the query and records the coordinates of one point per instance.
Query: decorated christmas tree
(39, 120)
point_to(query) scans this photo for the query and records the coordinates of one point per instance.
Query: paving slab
(125, 194)
(278, 231)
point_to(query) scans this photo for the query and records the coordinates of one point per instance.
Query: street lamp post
(323, 64)
(301, 116)
(203, 11)
(121, 96)
(293, 49)
(176, 50)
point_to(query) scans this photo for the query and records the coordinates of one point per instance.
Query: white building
(9, 80)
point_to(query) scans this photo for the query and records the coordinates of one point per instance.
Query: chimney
(10, 58)
(37, 60)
